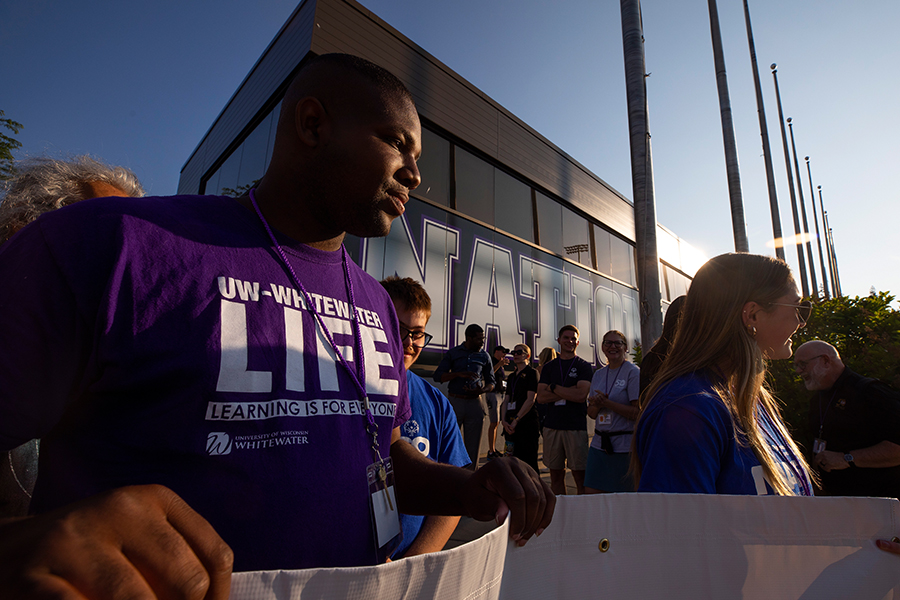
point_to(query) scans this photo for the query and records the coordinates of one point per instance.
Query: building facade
(506, 230)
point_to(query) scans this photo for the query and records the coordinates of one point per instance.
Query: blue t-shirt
(432, 430)
(686, 444)
(566, 415)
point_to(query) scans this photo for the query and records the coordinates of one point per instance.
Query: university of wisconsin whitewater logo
(218, 443)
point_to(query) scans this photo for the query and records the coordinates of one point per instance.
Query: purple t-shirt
(161, 340)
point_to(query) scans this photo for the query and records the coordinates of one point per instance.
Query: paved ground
(470, 529)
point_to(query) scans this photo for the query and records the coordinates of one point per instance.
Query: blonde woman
(613, 404)
(546, 355)
(710, 425)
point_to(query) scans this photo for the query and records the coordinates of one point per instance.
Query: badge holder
(383, 508)
(818, 445)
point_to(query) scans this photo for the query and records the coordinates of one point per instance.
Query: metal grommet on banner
(895, 539)
(604, 545)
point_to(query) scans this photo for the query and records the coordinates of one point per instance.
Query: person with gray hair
(43, 184)
(855, 424)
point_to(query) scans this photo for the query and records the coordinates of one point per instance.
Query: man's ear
(750, 313)
(311, 122)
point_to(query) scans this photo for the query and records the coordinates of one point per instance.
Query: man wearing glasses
(432, 428)
(855, 424)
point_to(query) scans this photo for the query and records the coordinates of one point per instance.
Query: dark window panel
(603, 251)
(253, 157)
(474, 187)
(576, 237)
(622, 254)
(434, 167)
(512, 206)
(550, 223)
(228, 173)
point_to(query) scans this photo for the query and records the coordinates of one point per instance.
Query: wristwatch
(553, 388)
(849, 458)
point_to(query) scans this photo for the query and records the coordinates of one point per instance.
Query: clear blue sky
(138, 84)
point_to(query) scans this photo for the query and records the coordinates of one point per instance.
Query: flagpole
(812, 262)
(778, 238)
(812, 198)
(787, 163)
(732, 166)
(641, 172)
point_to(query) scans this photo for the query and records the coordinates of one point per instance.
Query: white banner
(653, 546)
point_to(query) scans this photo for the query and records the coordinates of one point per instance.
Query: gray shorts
(493, 405)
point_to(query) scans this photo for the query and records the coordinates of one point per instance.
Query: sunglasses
(517, 352)
(616, 343)
(804, 309)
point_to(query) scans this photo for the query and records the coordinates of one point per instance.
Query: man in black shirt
(855, 423)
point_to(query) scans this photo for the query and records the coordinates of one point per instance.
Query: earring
(752, 330)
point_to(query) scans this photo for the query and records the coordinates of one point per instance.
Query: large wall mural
(518, 293)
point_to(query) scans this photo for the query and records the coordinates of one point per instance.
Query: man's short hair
(378, 76)
(568, 328)
(43, 184)
(409, 293)
(473, 329)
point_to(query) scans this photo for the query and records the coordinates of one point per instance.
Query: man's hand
(502, 487)
(133, 542)
(507, 485)
(509, 428)
(831, 461)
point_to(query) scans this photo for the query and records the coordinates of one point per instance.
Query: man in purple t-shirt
(201, 353)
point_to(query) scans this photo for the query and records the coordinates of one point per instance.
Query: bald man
(855, 423)
(216, 384)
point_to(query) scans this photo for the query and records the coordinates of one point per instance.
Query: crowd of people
(165, 387)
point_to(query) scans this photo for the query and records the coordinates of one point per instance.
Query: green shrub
(866, 332)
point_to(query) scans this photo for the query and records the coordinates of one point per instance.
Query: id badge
(818, 445)
(604, 417)
(510, 406)
(383, 508)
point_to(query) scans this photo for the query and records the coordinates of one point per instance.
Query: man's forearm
(880, 456)
(433, 535)
(432, 488)
(503, 487)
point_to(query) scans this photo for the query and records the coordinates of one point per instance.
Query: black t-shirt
(856, 413)
(567, 415)
(519, 385)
